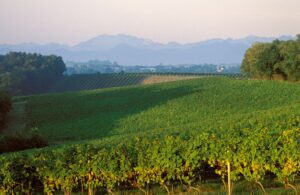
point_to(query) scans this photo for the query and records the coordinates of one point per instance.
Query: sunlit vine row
(141, 162)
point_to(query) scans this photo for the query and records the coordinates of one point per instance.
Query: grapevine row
(140, 162)
(95, 81)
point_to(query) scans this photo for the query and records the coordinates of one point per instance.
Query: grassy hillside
(173, 135)
(177, 107)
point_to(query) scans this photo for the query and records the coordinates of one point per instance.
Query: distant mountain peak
(133, 50)
(107, 42)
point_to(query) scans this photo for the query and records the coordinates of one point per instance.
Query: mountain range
(130, 50)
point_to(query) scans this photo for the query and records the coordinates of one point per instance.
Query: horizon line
(144, 38)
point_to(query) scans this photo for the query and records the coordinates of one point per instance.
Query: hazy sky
(73, 21)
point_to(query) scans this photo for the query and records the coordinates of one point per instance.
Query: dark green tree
(30, 73)
(260, 59)
(5, 107)
(263, 60)
(290, 63)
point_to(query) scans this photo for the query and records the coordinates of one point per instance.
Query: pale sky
(73, 21)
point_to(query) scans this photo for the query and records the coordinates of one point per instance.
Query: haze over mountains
(130, 50)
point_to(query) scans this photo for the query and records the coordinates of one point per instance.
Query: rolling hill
(176, 107)
(174, 135)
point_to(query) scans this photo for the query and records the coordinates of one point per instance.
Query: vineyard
(172, 134)
(97, 81)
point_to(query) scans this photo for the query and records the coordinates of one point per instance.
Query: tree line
(279, 59)
(25, 73)
(95, 66)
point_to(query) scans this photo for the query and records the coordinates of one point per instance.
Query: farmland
(98, 81)
(181, 106)
(160, 134)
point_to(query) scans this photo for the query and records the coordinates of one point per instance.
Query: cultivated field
(98, 81)
(108, 80)
(182, 106)
(176, 134)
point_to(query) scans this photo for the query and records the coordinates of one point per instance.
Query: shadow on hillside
(93, 114)
(97, 81)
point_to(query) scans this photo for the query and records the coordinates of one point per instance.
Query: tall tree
(290, 63)
(260, 59)
(263, 60)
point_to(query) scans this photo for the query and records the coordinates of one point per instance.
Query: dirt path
(165, 78)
